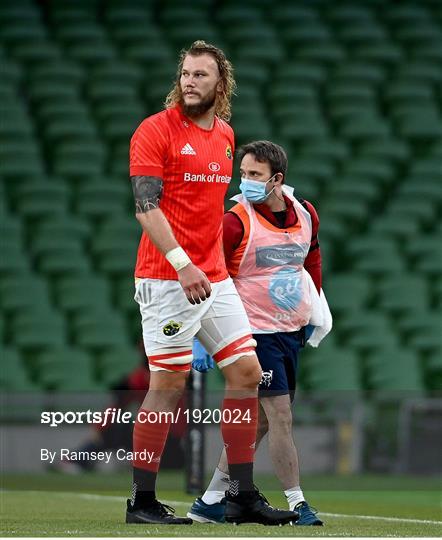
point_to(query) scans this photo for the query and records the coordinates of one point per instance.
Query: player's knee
(250, 375)
(280, 419)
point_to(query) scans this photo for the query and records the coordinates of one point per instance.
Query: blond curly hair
(222, 103)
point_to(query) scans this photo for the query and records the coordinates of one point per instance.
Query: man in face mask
(272, 253)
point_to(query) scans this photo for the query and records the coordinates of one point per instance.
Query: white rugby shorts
(170, 322)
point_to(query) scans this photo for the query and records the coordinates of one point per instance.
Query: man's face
(200, 82)
(255, 170)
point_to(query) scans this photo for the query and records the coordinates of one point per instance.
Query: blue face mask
(255, 191)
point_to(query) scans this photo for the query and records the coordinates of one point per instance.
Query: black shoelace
(163, 509)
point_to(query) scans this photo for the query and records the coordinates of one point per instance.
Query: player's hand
(201, 360)
(195, 284)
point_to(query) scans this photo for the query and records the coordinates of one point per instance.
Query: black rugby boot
(253, 507)
(154, 512)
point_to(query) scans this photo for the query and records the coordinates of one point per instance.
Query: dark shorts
(278, 356)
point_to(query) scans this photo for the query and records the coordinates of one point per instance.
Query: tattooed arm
(147, 194)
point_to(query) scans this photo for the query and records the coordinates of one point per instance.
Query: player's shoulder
(310, 209)
(224, 126)
(157, 120)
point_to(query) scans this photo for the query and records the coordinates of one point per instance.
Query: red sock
(239, 433)
(149, 436)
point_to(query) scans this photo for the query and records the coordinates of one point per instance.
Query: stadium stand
(352, 90)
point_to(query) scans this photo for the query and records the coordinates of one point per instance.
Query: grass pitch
(94, 505)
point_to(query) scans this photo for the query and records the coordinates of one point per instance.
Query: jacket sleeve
(313, 263)
(233, 232)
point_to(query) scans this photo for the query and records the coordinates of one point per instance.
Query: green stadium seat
(348, 292)
(63, 260)
(13, 260)
(135, 33)
(367, 330)
(304, 33)
(147, 53)
(116, 363)
(36, 52)
(20, 160)
(57, 73)
(394, 372)
(360, 127)
(421, 331)
(101, 199)
(349, 14)
(117, 260)
(123, 228)
(421, 188)
(427, 53)
(256, 75)
(121, 16)
(402, 294)
(114, 92)
(351, 211)
(362, 32)
(82, 293)
(261, 51)
(390, 149)
(360, 188)
(38, 329)
(124, 291)
(17, 128)
(396, 226)
(318, 171)
(54, 111)
(413, 92)
(350, 93)
(115, 72)
(300, 73)
(436, 149)
(383, 53)
(419, 33)
(332, 149)
(420, 72)
(62, 226)
(431, 264)
(43, 91)
(429, 167)
(19, 14)
(359, 72)
(92, 54)
(325, 53)
(334, 371)
(73, 32)
(11, 231)
(434, 370)
(390, 263)
(66, 369)
(424, 212)
(417, 126)
(286, 14)
(76, 158)
(119, 127)
(13, 375)
(71, 14)
(398, 14)
(171, 16)
(97, 329)
(227, 14)
(18, 294)
(248, 128)
(11, 72)
(40, 197)
(19, 32)
(182, 36)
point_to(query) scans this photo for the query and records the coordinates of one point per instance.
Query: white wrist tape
(178, 258)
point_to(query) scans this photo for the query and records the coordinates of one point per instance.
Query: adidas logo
(187, 150)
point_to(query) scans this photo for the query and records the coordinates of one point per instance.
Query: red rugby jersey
(196, 167)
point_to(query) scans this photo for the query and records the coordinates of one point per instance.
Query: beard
(198, 109)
